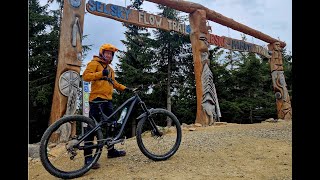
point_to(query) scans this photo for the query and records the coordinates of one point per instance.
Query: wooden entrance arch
(208, 111)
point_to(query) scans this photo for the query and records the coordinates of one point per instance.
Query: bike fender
(145, 114)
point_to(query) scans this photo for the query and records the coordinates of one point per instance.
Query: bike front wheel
(159, 135)
(58, 151)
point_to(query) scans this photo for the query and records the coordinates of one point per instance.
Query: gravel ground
(231, 151)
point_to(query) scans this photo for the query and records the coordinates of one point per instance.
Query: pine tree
(251, 101)
(185, 106)
(135, 67)
(43, 56)
(170, 46)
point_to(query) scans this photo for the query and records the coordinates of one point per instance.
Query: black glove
(127, 89)
(105, 72)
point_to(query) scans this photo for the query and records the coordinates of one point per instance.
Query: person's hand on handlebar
(128, 89)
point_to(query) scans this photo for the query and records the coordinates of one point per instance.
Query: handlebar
(141, 86)
(136, 89)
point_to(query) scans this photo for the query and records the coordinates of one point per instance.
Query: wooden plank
(237, 45)
(132, 16)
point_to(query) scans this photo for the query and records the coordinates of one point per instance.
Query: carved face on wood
(276, 46)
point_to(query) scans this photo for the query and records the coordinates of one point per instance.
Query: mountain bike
(155, 138)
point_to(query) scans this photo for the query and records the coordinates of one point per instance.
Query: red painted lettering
(221, 42)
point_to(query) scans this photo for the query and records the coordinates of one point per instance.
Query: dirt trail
(232, 151)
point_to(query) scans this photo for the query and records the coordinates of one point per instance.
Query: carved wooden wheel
(68, 80)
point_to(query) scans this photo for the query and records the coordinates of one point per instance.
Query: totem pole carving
(68, 68)
(210, 102)
(279, 84)
(206, 94)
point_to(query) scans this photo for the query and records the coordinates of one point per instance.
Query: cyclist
(102, 78)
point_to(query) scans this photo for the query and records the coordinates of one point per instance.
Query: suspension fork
(155, 130)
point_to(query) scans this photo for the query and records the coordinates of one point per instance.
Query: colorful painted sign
(237, 45)
(141, 18)
(132, 16)
(85, 98)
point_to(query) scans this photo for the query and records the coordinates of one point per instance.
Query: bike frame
(132, 101)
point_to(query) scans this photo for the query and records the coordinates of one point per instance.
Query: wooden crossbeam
(190, 7)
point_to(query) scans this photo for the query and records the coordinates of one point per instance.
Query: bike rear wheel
(57, 154)
(161, 146)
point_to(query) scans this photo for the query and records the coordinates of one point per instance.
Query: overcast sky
(271, 17)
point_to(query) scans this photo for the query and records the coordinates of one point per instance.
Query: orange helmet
(107, 47)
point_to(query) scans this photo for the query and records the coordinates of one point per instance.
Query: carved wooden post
(206, 102)
(279, 84)
(69, 62)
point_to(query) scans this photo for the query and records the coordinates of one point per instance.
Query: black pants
(94, 112)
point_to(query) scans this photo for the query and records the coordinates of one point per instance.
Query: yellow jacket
(100, 88)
